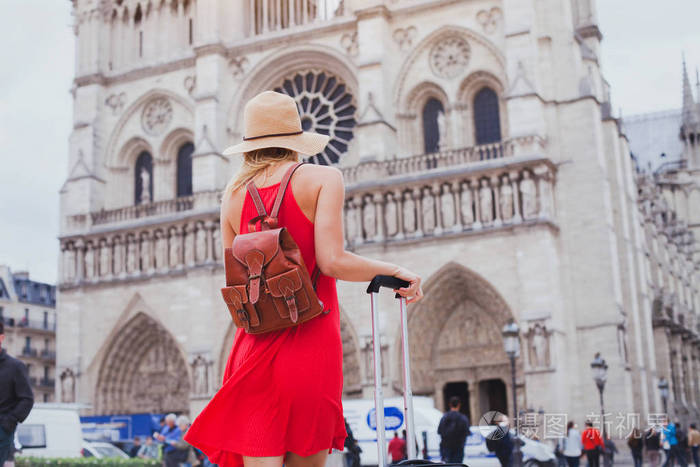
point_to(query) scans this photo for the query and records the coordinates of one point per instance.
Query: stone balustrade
(449, 200)
(372, 170)
(266, 16)
(480, 196)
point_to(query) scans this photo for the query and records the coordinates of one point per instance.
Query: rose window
(325, 106)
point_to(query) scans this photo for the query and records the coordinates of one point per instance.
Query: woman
(636, 446)
(572, 445)
(183, 455)
(281, 395)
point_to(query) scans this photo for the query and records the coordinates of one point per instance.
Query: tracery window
(433, 125)
(487, 120)
(326, 106)
(184, 169)
(143, 179)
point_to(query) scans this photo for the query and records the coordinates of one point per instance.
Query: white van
(360, 415)
(51, 430)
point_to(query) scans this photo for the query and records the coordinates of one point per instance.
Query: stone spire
(688, 100)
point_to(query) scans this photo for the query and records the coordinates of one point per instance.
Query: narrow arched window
(143, 179)
(433, 125)
(184, 169)
(487, 120)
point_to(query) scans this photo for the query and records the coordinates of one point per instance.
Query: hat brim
(306, 143)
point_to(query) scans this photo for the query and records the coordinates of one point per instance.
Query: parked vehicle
(51, 430)
(102, 450)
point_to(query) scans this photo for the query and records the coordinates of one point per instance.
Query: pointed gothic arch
(143, 370)
(455, 337)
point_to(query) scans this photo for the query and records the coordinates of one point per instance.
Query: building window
(143, 179)
(27, 342)
(46, 320)
(191, 31)
(184, 169)
(486, 117)
(46, 397)
(433, 125)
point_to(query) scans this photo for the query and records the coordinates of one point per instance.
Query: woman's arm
(331, 256)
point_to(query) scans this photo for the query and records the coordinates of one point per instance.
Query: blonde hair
(254, 162)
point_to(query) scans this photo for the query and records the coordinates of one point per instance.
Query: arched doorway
(456, 344)
(143, 371)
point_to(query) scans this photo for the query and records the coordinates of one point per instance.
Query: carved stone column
(398, 200)
(209, 227)
(545, 191)
(189, 232)
(477, 205)
(437, 202)
(378, 201)
(418, 201)
(79, 247)
(454, 189)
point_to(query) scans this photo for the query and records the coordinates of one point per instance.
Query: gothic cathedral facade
(478, 148)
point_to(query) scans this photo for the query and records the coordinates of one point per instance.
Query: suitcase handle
(389, 282)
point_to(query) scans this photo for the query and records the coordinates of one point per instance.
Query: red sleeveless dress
(281, 390)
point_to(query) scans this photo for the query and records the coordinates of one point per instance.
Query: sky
(641, 58)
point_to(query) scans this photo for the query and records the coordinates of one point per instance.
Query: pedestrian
(183, 455)
(572, 445)
(682, 446)
(148, 449)
(352, 458)
(453, 430)
(280, 401)
(16, 398)
(397, 448)
(592, 444)
(133, 452)
(652, 441)
(670, 443)
(170, 433)
(636, 445)
(609, 451)
(694, 443)
(500, 441)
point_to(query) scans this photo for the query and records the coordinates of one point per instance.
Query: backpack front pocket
(288, 295)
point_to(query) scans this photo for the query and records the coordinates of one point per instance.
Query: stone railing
(201, 200)
(141, 252)
(370, 170)
(275, 15)
(469, 198)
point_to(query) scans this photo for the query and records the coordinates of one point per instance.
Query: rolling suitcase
(373, 290)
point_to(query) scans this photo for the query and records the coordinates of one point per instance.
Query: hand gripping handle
(390, 282)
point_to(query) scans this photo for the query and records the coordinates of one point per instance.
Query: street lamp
(511, 344)
(599, 369)
(663, 391)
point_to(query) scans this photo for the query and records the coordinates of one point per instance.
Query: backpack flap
(289, 297)
(255, 251)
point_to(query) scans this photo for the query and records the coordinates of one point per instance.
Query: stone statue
(539, 347)
(442, 130)
(69, 264)
(369, 219)
(529, 196)
(89, 261)
(200, 377)
(104, 258)
(145, 197)
(175, 248)
(201, 243)
(486, 202)
(118, 255)
(506, 200)
(67, 386)
(622, 342)
(466, 208)
(428, 210)
(161, 250)
(351, 222)
(390, 214)
(189, 245)
(546, 198)
(146, 253)
(218, 248)
(409, 213)
(447, 206)
(131, 261)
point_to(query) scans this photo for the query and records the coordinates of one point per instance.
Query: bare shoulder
(316, 176)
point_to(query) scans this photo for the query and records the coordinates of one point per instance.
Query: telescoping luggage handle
(373, 289)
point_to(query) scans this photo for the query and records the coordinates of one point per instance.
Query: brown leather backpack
(267, 284)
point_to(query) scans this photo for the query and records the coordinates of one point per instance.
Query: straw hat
(272, 121)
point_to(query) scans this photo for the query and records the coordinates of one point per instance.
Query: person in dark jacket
(453, 430)
(16, 398)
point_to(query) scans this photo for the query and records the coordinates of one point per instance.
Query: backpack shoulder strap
(255, 195)
(283, 188)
